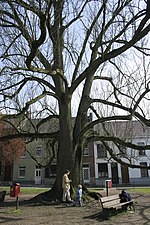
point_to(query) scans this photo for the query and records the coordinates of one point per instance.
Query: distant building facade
(28, 172)
(107, 168)
(98, 166)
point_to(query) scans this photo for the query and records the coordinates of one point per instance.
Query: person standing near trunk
(66, 187)
(78, 200)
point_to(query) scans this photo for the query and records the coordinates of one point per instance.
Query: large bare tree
(63, 58)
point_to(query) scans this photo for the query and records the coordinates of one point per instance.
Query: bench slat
(109, 198)
(118, 205)
(113, 201)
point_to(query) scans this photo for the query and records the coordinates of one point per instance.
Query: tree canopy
(62, 59)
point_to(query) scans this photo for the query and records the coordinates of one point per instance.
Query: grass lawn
(36, 190)
(141, 190)
(26, 190)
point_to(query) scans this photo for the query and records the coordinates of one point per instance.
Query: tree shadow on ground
(104, 215)
(33, 203)
(143, 214)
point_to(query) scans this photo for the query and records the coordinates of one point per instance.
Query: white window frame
(87, 169)
(38, 149)
(86, 151)
(103, 173)
(101, 151)
(38, 172)
(22, 169)
(144, 170)
(143, 151)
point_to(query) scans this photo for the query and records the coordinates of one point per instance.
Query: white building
(107, 168)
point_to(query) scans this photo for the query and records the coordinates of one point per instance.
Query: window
(102, 170)
(144, 171)
(86, 151)
(38, 151)
(141, 152)
(38, 171)
(141, 143)
(86, 173)
(101, 151)
(22, 170)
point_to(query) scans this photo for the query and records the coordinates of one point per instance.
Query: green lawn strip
(30, 190)
(26, 190)
(33, 190)
(140, 190)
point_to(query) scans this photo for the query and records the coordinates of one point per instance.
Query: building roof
(124, 129)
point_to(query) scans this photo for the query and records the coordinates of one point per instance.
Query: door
(38, 179)
(125, 174)
(114, 171)
(8, 172)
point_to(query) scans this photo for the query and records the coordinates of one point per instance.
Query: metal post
(17, 202)
(106, 188)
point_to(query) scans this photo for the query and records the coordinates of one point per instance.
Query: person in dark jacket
(125, 197)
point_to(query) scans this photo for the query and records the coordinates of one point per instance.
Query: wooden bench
(2, 196)
(113, 202)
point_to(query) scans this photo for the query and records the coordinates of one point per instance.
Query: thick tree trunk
(64, 157)
(77, 170)
(70, 155)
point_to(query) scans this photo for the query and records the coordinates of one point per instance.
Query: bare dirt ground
(64, 214)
